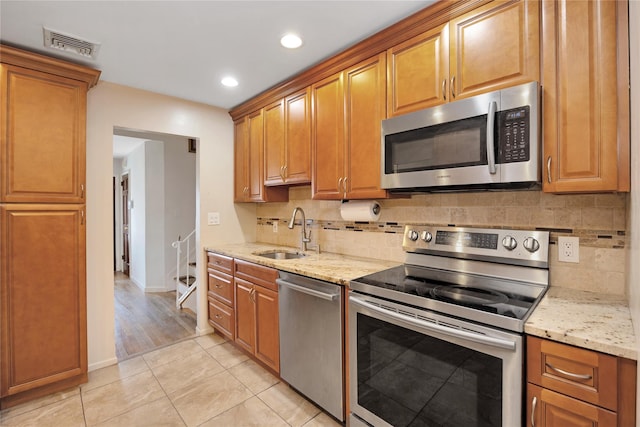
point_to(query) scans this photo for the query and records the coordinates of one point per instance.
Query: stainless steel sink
(280, 254)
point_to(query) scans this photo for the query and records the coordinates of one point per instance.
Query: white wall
(154, 216)
(633, 220)
(136, 163)
(117, 173)
(109, 106)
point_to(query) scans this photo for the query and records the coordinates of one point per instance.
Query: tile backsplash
(599, 221)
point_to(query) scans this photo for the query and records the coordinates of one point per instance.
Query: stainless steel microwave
(489, 141)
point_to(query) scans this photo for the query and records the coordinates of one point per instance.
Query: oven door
(411, 367)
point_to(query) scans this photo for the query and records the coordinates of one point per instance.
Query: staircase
(185, 268)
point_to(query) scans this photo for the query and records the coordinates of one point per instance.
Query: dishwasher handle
(308, 291)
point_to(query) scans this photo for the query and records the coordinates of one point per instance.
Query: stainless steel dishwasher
(311, 339)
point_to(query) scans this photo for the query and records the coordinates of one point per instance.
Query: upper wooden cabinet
(347, 110)
(42, 143)
(249, 162)
(492, 47)
(287, 145)
(585, 96)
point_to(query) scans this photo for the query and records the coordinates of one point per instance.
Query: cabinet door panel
(495, 46)
(551, 409)
(241, 161)
(256, 167)
(580, 103)
(267, 328)
(43, 307)
(274, 143)
(366, 107)
(245, 315)
(42, 142)
(221, 317)
(328, 137)
(221, 287)
(418, 72)
(298, 138)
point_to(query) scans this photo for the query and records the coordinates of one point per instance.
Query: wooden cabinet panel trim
(244, 315)
(544, 355)
(297, 150)
(221, 287)
(220, 262)
(222, 318)
(274, 143)
(258, 274)
(267, 347)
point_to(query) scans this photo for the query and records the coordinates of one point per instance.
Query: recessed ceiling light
(229, 82)
(291, 41)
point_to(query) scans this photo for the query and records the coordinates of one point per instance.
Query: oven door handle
(491, 142)
(421, 324)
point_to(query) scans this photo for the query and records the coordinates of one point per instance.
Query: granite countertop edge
(587, 320)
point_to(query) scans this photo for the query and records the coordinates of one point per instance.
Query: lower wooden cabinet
(220, 294)
(570, 386)
(43, 326)
(256, 323)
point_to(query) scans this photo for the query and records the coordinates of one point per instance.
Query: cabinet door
(221, 318)
(366, 108)
(546, 408)
(42, 143)
(494, 46)
(267, 329)
(255, 156)
(274, 143)
(580, 103)
(418, 72)
(43, 296)
(297, 168)
(245, 315)
(241, 161)
(328, 138)
(221, 287)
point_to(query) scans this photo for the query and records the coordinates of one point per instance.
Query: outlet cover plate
(213, 218)
(568, 249)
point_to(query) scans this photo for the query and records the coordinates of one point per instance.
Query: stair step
(192, 264)
(187, 280)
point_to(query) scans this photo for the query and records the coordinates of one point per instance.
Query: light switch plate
(213, 218)
(275, 226)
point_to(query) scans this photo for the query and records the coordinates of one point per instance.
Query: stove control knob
(412, 235)
(531, 244)
(426, 236)
(509, 242)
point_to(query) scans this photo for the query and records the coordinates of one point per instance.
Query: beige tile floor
(203, 381)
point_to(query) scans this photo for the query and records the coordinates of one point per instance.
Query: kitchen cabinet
(585, 96)
(256, 296)
(287, 146)
(249, 162)
(43, 322)
(347, 110)
(492, 47)
(220, 294)
(570, 386)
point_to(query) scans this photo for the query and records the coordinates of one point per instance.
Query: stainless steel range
(438, 341)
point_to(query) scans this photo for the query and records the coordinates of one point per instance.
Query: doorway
(156, 203)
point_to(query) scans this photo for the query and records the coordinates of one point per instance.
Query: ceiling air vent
(70, 43)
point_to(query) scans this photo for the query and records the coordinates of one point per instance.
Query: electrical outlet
(275, 226)
(568, 249)
(213, 218)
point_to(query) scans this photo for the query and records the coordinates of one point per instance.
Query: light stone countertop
(585, 319)
(589, 320)
(335, 268)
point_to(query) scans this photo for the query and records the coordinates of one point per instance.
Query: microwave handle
(491, 153)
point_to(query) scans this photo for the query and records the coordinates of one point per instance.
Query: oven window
(449, 145)
(410, 379)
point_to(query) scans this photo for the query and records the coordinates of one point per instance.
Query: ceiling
(124, 145)
(184, 48)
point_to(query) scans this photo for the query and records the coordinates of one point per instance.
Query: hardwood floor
(144, 322)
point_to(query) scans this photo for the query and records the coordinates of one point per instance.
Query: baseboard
(103, 364)
(204, 331)
(137, 283)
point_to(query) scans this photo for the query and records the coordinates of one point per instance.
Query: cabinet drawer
(258, 274)
(221, 317)
(220, 262)
(221, 287)
(584, 374)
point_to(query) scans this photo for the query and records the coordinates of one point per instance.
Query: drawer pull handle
(569, 374)
(217, 316)
(534, 402)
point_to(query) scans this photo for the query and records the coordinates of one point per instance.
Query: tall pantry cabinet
(43, 337)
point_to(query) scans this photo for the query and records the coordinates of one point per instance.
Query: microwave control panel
(513, 128)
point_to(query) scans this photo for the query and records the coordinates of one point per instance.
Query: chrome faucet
(304, 238)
